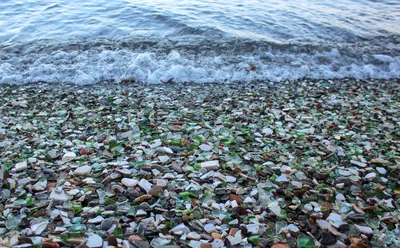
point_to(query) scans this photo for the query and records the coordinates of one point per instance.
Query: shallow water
(199, 41)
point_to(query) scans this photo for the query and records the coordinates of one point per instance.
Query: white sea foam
(91, 66)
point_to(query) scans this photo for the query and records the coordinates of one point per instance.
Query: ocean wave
(223, 61)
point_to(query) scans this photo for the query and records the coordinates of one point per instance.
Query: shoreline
(132, 82)
(293, 163)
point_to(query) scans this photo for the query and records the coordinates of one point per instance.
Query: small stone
(163, 159)
(356, 217)
(327, 238)
(338, 244)
(297, 184)
(335, 219)
(206, 245)
(83, 151)
(282, 178)
(210, 165)
(381, 170)
(177, 168)
(21, 166)
(339, 185)
(48, 171)
(53, 154)
(379, 161)
(274, 207)
(112, 240)
(253, 228)
(59, 195)
(300, 175)
(126, 244)
(216, 236)
(141, 212)
(267, 131)
(236, 239)
(181, 228)
(106, 224)
(209, 228)
(286, 169)
(308, 207)
(371, 175)
(40, 185)
(96, 220)
(83, 170)
(156, 191)
(21, 103)
(144, 184)
(37, 229)
(205, 147)
(194, 244)
(138, 242)
(94, 241)
(345, 180)
(125, 135)
(169, 175)
(155, 144)
(233, 197)
(32, 160)
(340, 197)
(230, 179)
(47, 244)
(128, 182)
(193, 236)
(345, 173)
(358, 163)
(165, 150)
(142, 198)
(323, 224)
(69, 156)
(364, 229)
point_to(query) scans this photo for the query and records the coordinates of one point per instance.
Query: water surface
(198, 41)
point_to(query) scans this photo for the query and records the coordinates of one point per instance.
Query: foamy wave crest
(200, 64)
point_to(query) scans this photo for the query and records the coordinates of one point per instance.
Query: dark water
(199, 41)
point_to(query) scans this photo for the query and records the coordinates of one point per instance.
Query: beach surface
(295, 164)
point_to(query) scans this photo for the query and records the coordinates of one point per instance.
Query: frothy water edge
(205, 62)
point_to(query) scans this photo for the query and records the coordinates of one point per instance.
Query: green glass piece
(97, 166)
(197, 213)
(20, 202)
(78, 227)
(77, 220)
(389, 237)
(187, 211)
(67, 204)
(112, 144)
(109, 202)
(184, 194)
(175, 142)
(118, 232)
(305, 242)
(11, 222)
(77, 207)
(179, 203)
(372, 222)
(64, 236)
(254, 239)
(30, 200)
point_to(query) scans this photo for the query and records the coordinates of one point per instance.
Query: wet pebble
(106, 224)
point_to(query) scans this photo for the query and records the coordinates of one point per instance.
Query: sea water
(202, 41)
